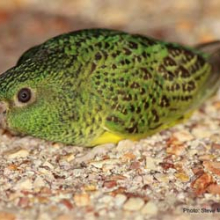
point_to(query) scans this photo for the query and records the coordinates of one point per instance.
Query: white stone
(133, 204)
(16, 153)
(150, 209)
(24, 184)
(120, 199)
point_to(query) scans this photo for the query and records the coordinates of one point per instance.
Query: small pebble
(24, 184)
(149, 209)
(120, 199)
(38, 183)
(133, 204)
(16, 153)
(99, 164)
(183, 136)
(82, 199)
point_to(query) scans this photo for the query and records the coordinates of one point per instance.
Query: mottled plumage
(96, 86)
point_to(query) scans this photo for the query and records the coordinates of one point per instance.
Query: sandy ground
(171, 175)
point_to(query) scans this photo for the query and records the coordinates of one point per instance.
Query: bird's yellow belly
(107, 137)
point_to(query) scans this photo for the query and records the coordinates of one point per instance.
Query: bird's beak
(3, 110)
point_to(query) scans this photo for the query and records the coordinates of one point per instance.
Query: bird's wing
(146, 87)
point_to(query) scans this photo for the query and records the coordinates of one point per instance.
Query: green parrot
(98, 86)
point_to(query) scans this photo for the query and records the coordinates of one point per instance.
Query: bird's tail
(212, 52)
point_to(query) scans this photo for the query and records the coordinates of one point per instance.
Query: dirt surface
(171, 175)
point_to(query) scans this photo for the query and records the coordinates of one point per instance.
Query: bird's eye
(24, 95)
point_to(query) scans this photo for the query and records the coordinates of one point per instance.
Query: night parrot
(98, 86)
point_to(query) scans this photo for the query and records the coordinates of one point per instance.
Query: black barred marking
(127, 97)
(127, 61)
(91, 131)
(121, 92)
(142, 91)
(186, 98)
(201, 61)
(98, 76)
(156, 116)
(198, 78)
(144, 54)
(103, 66)
(116, 53)
(107, 45)
(182, 72)
(176, 98)
(113, 80)
(158, 84)
(111, 88)
(169, 62)
(81, 133)
(97, 83)
(99, 44)
(127, 51)
(113, 119)
(133, 129)
(189, 86)
(151, 68)
(117, 106)
(174, 87)
(146, 75)
(78, 43)
(93, 120)
(133, 45)
(157, 126)
(105, 54)
(150, 42)
(188, 55)
(136, 96)
(164, 101)
(174, 51)
(114, 66)
(132, 108)
(142, 121)
(122, 62)
(134, 85)
(138, 58)
(132, 119)
(153, 99)
(73, 117)
(126, 83)
(124, 111)
(138, 110)
(98, 56)
(195, 67)
(161, 69)
(169, 75)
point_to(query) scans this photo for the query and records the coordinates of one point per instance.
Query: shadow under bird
(99, 86)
